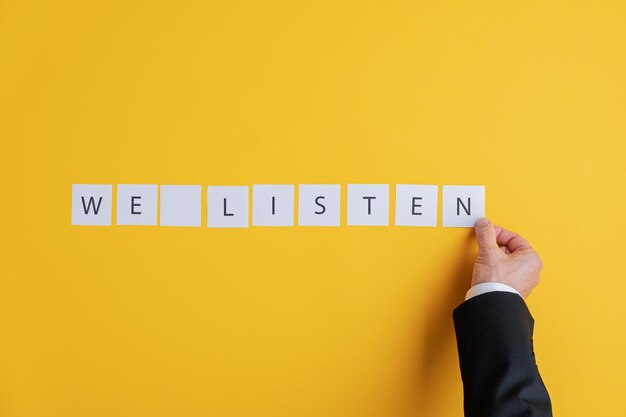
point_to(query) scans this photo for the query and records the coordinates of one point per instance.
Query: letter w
(90, 204)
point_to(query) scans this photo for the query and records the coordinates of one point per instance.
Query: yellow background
(527, 98)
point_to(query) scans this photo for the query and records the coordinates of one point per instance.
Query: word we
(274, 205)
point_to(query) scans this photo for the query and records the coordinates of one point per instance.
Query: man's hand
(505, 257)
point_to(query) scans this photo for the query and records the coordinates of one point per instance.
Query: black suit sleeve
(500, 377)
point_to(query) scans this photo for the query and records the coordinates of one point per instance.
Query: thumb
(485, 236)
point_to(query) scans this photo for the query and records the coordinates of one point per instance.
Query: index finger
(511, 240)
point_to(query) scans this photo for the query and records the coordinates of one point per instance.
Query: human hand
(505, 257)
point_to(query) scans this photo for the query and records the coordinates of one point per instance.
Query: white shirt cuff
(486, 287)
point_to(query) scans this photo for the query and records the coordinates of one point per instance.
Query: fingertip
(482, 222)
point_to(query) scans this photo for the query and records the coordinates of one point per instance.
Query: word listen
(274, 205)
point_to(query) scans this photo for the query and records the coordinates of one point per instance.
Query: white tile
(181, 205)
(227, 206)
(272, 205)
(463, 205)
(319, 205)
(136, 204)
(368, 204)
(91, 204)
(416, 205)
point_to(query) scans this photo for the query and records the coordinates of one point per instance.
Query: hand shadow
(437, 355)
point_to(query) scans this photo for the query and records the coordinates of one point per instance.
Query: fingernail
(482, 222)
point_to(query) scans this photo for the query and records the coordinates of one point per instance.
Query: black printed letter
(225, 212)
(321, 197)
(133, 204)
(91, 203)
(467, 208)
(369, 204)
(416, 205)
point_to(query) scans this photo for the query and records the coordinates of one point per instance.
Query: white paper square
(136, 204)
(272, 205)
(463, 205)
(319, 205)
(368, 204)
(416, 205)
(227, 206)
(181, 205)
(91, 204)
